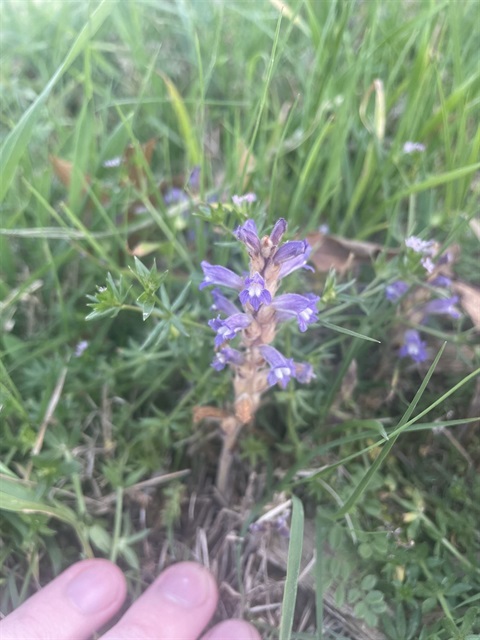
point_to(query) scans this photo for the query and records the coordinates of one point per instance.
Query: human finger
(177, 606)
(232, 630)
(71, 607)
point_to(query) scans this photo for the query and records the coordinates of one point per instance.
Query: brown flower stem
(231, 428)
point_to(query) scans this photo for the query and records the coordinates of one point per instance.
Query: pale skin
(85, 597)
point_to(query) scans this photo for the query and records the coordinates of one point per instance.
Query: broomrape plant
(419, 306)
(256, 364)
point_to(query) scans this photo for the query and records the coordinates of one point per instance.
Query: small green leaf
(293, 569)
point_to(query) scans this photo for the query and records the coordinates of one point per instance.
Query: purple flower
(413, 347)
(446, 258)
(425, 247)
(215, 274)
(227, 329)
(225, 356)
(294, 305)
(281, 526)
(441, 281)
(248, 234)
(396, 290)
(278, 231)
(222, 304)
(194, 179)
(255, 292)
(258, 527)
(248, 198)
(281, 368)
(290, 250)
(428, 264)
(411, 147)
(175, 196)
(304, 372)
(80, 348)
(298, 262)
(443, 306)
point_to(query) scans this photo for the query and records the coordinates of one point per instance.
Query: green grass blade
(184, 123)
(321, 530)
(19, 137)
(19, 497)
(348, 332)
(435, 181)
(293, 569)
(359, 489)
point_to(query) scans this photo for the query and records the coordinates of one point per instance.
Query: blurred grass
(310, 109)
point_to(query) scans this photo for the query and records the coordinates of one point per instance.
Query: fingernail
(185, 584)
(91, 591)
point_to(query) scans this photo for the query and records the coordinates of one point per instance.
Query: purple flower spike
(215, 274)
(222, 304)
(396, 290)
(443, 306)
(293, 305)
(278, 231)
(226, 356)
(255, 292)
(248, 234)
(413, 347)
(425, 247)
(281, 368)
(299, 262)
(228, 329)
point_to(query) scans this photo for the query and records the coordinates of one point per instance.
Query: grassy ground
(310, 109)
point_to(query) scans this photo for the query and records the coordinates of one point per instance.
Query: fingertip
(73, 605)
(233, 630)
(183, 598)
(94, 585)
(187, 584)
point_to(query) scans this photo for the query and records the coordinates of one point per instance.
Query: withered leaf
(208, 413)
(341, 254)
(143, 248)
(469, 300)
(135, 170)
(63, 169)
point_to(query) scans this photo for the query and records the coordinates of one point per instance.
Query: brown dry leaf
(349, 383)
(469, 300)
(143, 248)
(475, 227)
(136, 172)
(331, 251)
(63, 169)
(208, 413)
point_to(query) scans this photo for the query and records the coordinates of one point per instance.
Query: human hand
(177, 606)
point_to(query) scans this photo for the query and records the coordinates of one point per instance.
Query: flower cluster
(420, 303)
(257, 364)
